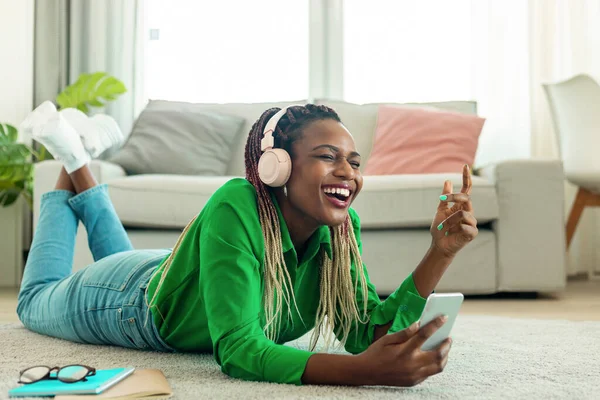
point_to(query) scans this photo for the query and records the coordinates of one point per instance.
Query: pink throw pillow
(422, 141)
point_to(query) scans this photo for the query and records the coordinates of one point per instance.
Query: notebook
(142, 384)
(96, 384)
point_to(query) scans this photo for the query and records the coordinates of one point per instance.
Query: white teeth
(340, 191)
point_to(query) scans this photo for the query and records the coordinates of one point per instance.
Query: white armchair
(575, 106)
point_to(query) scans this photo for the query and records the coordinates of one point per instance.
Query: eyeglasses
(67, 374)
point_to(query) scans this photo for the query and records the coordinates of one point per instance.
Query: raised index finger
(466, 188)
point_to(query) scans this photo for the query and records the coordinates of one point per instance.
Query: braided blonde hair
(338, 309)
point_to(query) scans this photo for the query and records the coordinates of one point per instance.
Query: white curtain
(83, 36)
(564, 38)
(439, 50)
(500, 78)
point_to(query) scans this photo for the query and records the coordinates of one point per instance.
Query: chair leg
(583, 199)
(575, 214)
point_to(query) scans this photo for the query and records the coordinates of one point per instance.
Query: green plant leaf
(91, 90)
(8, 134)
(44, 154)
(13, 134)
(83, 108)
(8, 197)
(95, 103)
(16, 167)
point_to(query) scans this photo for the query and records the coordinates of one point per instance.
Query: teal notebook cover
(96, 384)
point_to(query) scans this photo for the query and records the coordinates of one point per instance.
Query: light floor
(579, 302)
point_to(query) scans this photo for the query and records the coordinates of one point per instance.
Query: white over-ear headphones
(275, 165)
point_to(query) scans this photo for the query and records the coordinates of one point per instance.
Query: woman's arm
(230, 285)
(394, 360)
(381, 330)
(451, 230)
(430, 270)
(335, 369)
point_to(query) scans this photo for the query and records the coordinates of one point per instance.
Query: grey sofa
(519, 206)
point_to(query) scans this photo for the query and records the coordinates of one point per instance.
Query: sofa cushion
(423, 141)
(250, 112)
(396, 201)
(361, 119)
(410, 201)
(161, 201)
(182, 143)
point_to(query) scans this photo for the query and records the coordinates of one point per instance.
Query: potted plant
(17, 159)
(16, 167)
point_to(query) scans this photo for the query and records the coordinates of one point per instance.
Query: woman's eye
(355, 165)
(326, 157)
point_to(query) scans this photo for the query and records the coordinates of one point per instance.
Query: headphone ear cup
(274, 167)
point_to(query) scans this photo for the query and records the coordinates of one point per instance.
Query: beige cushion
(161, 201)
(391, 255)
(171, 201)
(410, 201)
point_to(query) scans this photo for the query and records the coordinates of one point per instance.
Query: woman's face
(325, 176)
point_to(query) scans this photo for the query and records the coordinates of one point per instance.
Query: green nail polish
(443, 197)
(440, 226)
(446, 233)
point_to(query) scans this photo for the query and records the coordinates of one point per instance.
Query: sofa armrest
(530, 228)
(46, 173)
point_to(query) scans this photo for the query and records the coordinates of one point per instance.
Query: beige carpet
(492, 358)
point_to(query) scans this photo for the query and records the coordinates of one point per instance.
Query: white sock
(61, 140)
(37, 118)
(98, 134)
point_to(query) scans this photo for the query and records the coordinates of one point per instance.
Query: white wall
(16, 60)
(16, 100)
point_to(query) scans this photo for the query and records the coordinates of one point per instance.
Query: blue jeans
(105, 302)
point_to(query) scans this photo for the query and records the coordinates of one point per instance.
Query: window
(407, 51)
(354, 50)
(227, 50)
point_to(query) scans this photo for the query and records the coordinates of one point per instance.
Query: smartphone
(440, 304)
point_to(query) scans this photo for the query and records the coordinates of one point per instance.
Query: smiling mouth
(338, 197)
(338, 193)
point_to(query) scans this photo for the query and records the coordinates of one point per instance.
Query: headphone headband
(267, 142)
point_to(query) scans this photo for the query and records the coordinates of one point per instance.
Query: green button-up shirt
(211, 299)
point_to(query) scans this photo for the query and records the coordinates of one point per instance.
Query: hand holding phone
(440, 304)
(397, 359)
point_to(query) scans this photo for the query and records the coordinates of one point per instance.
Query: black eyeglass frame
(91, 372)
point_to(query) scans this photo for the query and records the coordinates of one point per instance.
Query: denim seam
(66, 194)
(66, 317)
(70, 316)
(77, 199)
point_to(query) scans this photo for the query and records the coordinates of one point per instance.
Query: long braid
(277, 283)
(338, 294)
(338, 308)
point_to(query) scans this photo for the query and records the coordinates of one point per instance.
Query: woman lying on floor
(268, 258)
